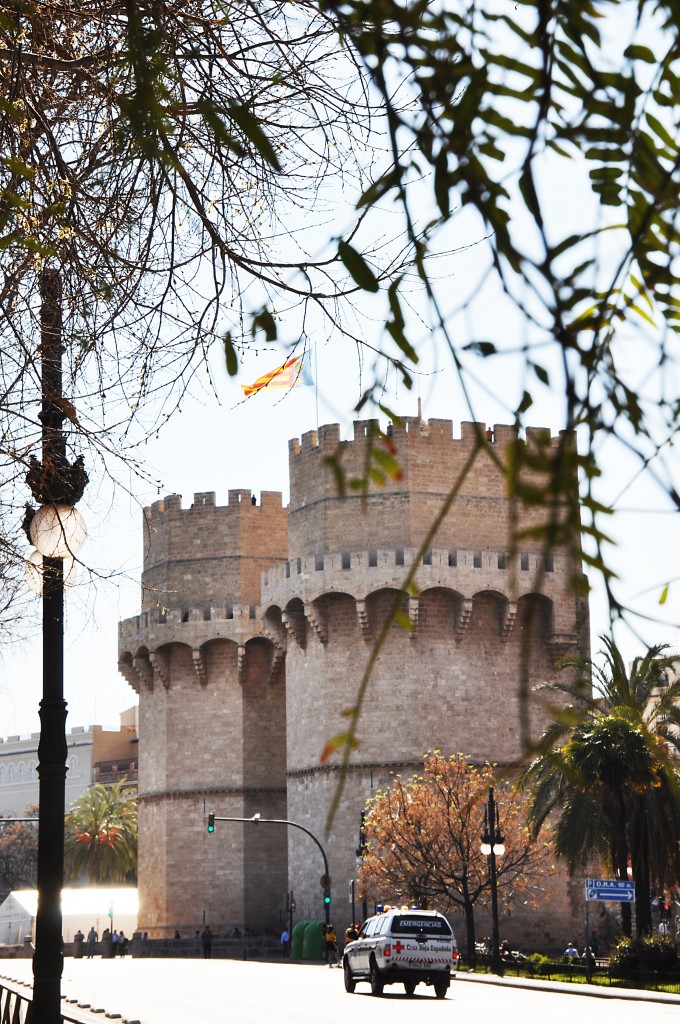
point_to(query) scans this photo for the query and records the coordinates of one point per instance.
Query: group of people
(333, 957)
(119, 941)
(589, 953)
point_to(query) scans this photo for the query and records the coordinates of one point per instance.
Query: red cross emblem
(398, 946)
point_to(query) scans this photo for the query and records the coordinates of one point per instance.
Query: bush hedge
(652, 953)
(539, 964)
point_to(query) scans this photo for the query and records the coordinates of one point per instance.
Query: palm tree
(608, 768)
(101, 833)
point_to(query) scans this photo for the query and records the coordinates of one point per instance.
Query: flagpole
(316, 387)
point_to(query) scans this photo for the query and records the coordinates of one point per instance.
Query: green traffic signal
(211, 823)
(327, 898)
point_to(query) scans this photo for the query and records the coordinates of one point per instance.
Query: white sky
(211, 446)
(224, 443)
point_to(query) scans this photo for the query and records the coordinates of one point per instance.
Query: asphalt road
(217, 991)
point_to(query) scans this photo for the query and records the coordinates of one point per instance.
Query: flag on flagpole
(293, 373)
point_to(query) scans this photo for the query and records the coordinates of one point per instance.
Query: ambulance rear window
(415, 924)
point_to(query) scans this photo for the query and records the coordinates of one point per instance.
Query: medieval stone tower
(256, 626)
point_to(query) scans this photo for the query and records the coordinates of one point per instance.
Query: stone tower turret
(241, 686)
(212, 712)
(485, 625)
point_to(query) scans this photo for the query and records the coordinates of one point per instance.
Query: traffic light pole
(257, 820)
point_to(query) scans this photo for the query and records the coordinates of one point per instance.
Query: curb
(571, 988)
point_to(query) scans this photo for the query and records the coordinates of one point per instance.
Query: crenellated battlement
(401, 510)
(138, 626)
(346, 563)
(326, 439)
(240, 502)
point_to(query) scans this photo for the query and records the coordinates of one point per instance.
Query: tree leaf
(230, 356)
(252, 129)
(357, 266)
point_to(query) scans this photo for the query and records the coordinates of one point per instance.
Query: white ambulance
(401, 945)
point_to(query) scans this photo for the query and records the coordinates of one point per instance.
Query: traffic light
(211, 823)
(327, 895)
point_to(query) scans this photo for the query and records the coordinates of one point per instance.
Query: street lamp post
(361, 851)
(57, 531)
(492, 847)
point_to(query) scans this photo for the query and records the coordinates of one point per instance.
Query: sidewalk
(573, 988)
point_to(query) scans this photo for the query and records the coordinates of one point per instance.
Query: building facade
(257, 624)
(94, 754)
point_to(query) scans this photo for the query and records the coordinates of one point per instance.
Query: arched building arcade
(256, 626)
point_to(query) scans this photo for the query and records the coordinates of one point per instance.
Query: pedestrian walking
(285, 938)
(332, 953)
(206, 942)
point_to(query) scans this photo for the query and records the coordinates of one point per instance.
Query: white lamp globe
(58, 530)
(34, 572)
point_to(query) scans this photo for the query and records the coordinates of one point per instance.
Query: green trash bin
(314, 942)
(297, 939)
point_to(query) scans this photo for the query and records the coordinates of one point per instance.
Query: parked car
(402, 946)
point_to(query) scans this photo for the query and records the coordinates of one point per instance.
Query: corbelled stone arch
(257, 666)
(440, 614)
(488, 618)
(531, 647)
(135, 667)
(127, 671)
(220, 659)
(338, 612)
(380, 604)
(273, 627)
(294, 621)
(264, 720)
(534, 629)
(272, 624)
(538, 611)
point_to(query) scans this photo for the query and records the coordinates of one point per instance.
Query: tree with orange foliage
(424, 835)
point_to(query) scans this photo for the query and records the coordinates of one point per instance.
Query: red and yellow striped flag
(282, 378)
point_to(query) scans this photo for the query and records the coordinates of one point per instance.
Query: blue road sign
(613, 890)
